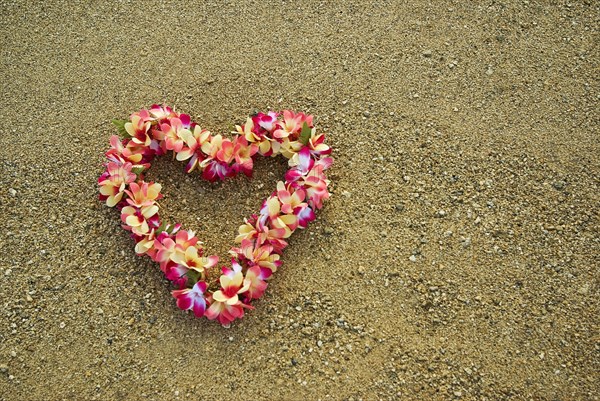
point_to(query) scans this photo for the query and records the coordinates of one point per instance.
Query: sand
(457, 258)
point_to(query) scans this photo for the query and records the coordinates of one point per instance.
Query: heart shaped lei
(262, 237)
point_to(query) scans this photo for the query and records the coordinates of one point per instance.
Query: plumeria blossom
(173, 132)
(271, 210)
(226, 305)
(143, 195)
(257, 277)
(292, 202)
(247, 131)
(172, 248)
(193, 147)
(114, 180)
(258, 255)
(317, 145)
(138, 129)
(192, 259)
(262, 238)
(256, 229)
(243, 152)
(161, 112)
(145, 243)
(192, 298)
(216, 165)
(175, 273)
(139, 220)
(120, 154)
(291, 124)
(266, 121)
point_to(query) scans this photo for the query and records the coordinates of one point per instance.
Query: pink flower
(193, 148)
(220, 154)
(249, 131)
(272, 210)
(302, 163)
(316, 188)
(161, 113)
(259, 255)
(291, 124)
(192, 298)
(256, 229)
(173, 247)
(257, 275)
(243, 152)
(304, 215)
(226, 305)
(225, 154)
(317, 146)
(224, 312)
(139, 220)
(145, 244)
(138, 129)
(120, 153)
(173, 131)
(290, 199)
(215, 170)
(192, 259)
(143, 195)
(175, 273)
(232, 284)
(113, 182)
(266, 121)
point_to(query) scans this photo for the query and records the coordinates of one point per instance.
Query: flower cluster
(262, 237)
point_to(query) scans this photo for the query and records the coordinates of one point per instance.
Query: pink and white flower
(192, 298)
(266, 121)
(172, 248)
(291, 124)
(193, 259)
(114, 181)
(139, 220)
(193, 147)
(257, 277)
(138, 129)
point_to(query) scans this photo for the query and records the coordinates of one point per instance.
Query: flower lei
(262, 237)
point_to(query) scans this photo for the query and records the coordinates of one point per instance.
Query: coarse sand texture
(457, 258)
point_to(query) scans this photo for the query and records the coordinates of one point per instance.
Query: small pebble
(427, 53)
(584, 289)
(466, 242)
(412, 258)
(12, 191)
(559, 185)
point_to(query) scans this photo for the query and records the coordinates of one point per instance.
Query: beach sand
(456, 259)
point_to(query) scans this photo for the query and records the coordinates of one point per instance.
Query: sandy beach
(457, 259)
